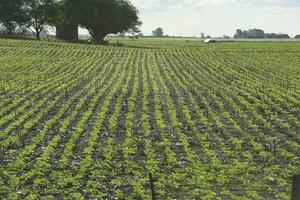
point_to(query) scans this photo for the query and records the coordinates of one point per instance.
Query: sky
(218, 17)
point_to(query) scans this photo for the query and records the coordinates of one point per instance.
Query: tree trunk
(10, 28)
(99, 38)
(37, 35)
(9, 31)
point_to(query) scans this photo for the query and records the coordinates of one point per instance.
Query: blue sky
(219, 17)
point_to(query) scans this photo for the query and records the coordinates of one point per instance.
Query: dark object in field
(296, 188)
(209, 41)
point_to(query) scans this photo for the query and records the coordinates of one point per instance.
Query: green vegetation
(173, 118)
(103, 17)
(99, 17)
(258, 33)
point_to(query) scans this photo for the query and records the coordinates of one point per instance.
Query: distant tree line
(99, 17)
(158, 33)
(258, 33)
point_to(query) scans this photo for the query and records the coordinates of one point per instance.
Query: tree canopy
(258, 33)
(251, 33)
(39, 14)
(33, 14)
(103, 17)
(158, 32)
(12, 14)
(61, 15)
(99, 17)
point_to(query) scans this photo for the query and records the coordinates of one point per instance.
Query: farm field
(165, 119)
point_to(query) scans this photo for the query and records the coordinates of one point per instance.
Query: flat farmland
(160, 119)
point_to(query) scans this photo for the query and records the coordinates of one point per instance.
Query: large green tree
(66, 26)
(12, 14)
(103, 17)
(60, 14)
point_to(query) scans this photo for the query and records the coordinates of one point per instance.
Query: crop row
(88, 122)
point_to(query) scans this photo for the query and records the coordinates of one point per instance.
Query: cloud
(180, 4)
(147, 4)
(217, 17)
(177, 4)
(279, 12)
(199, 3)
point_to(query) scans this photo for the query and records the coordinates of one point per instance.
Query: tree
(297, 36)
(274, 36)
(239, 34)
(251, 33)
(283, 36)
(66, 26)
(258, 33)
(12, 14)
(255, 33)
(39, 13)
(60, 15)
(103, 17)
(271, 35)
(202, 35)
(158, 33)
